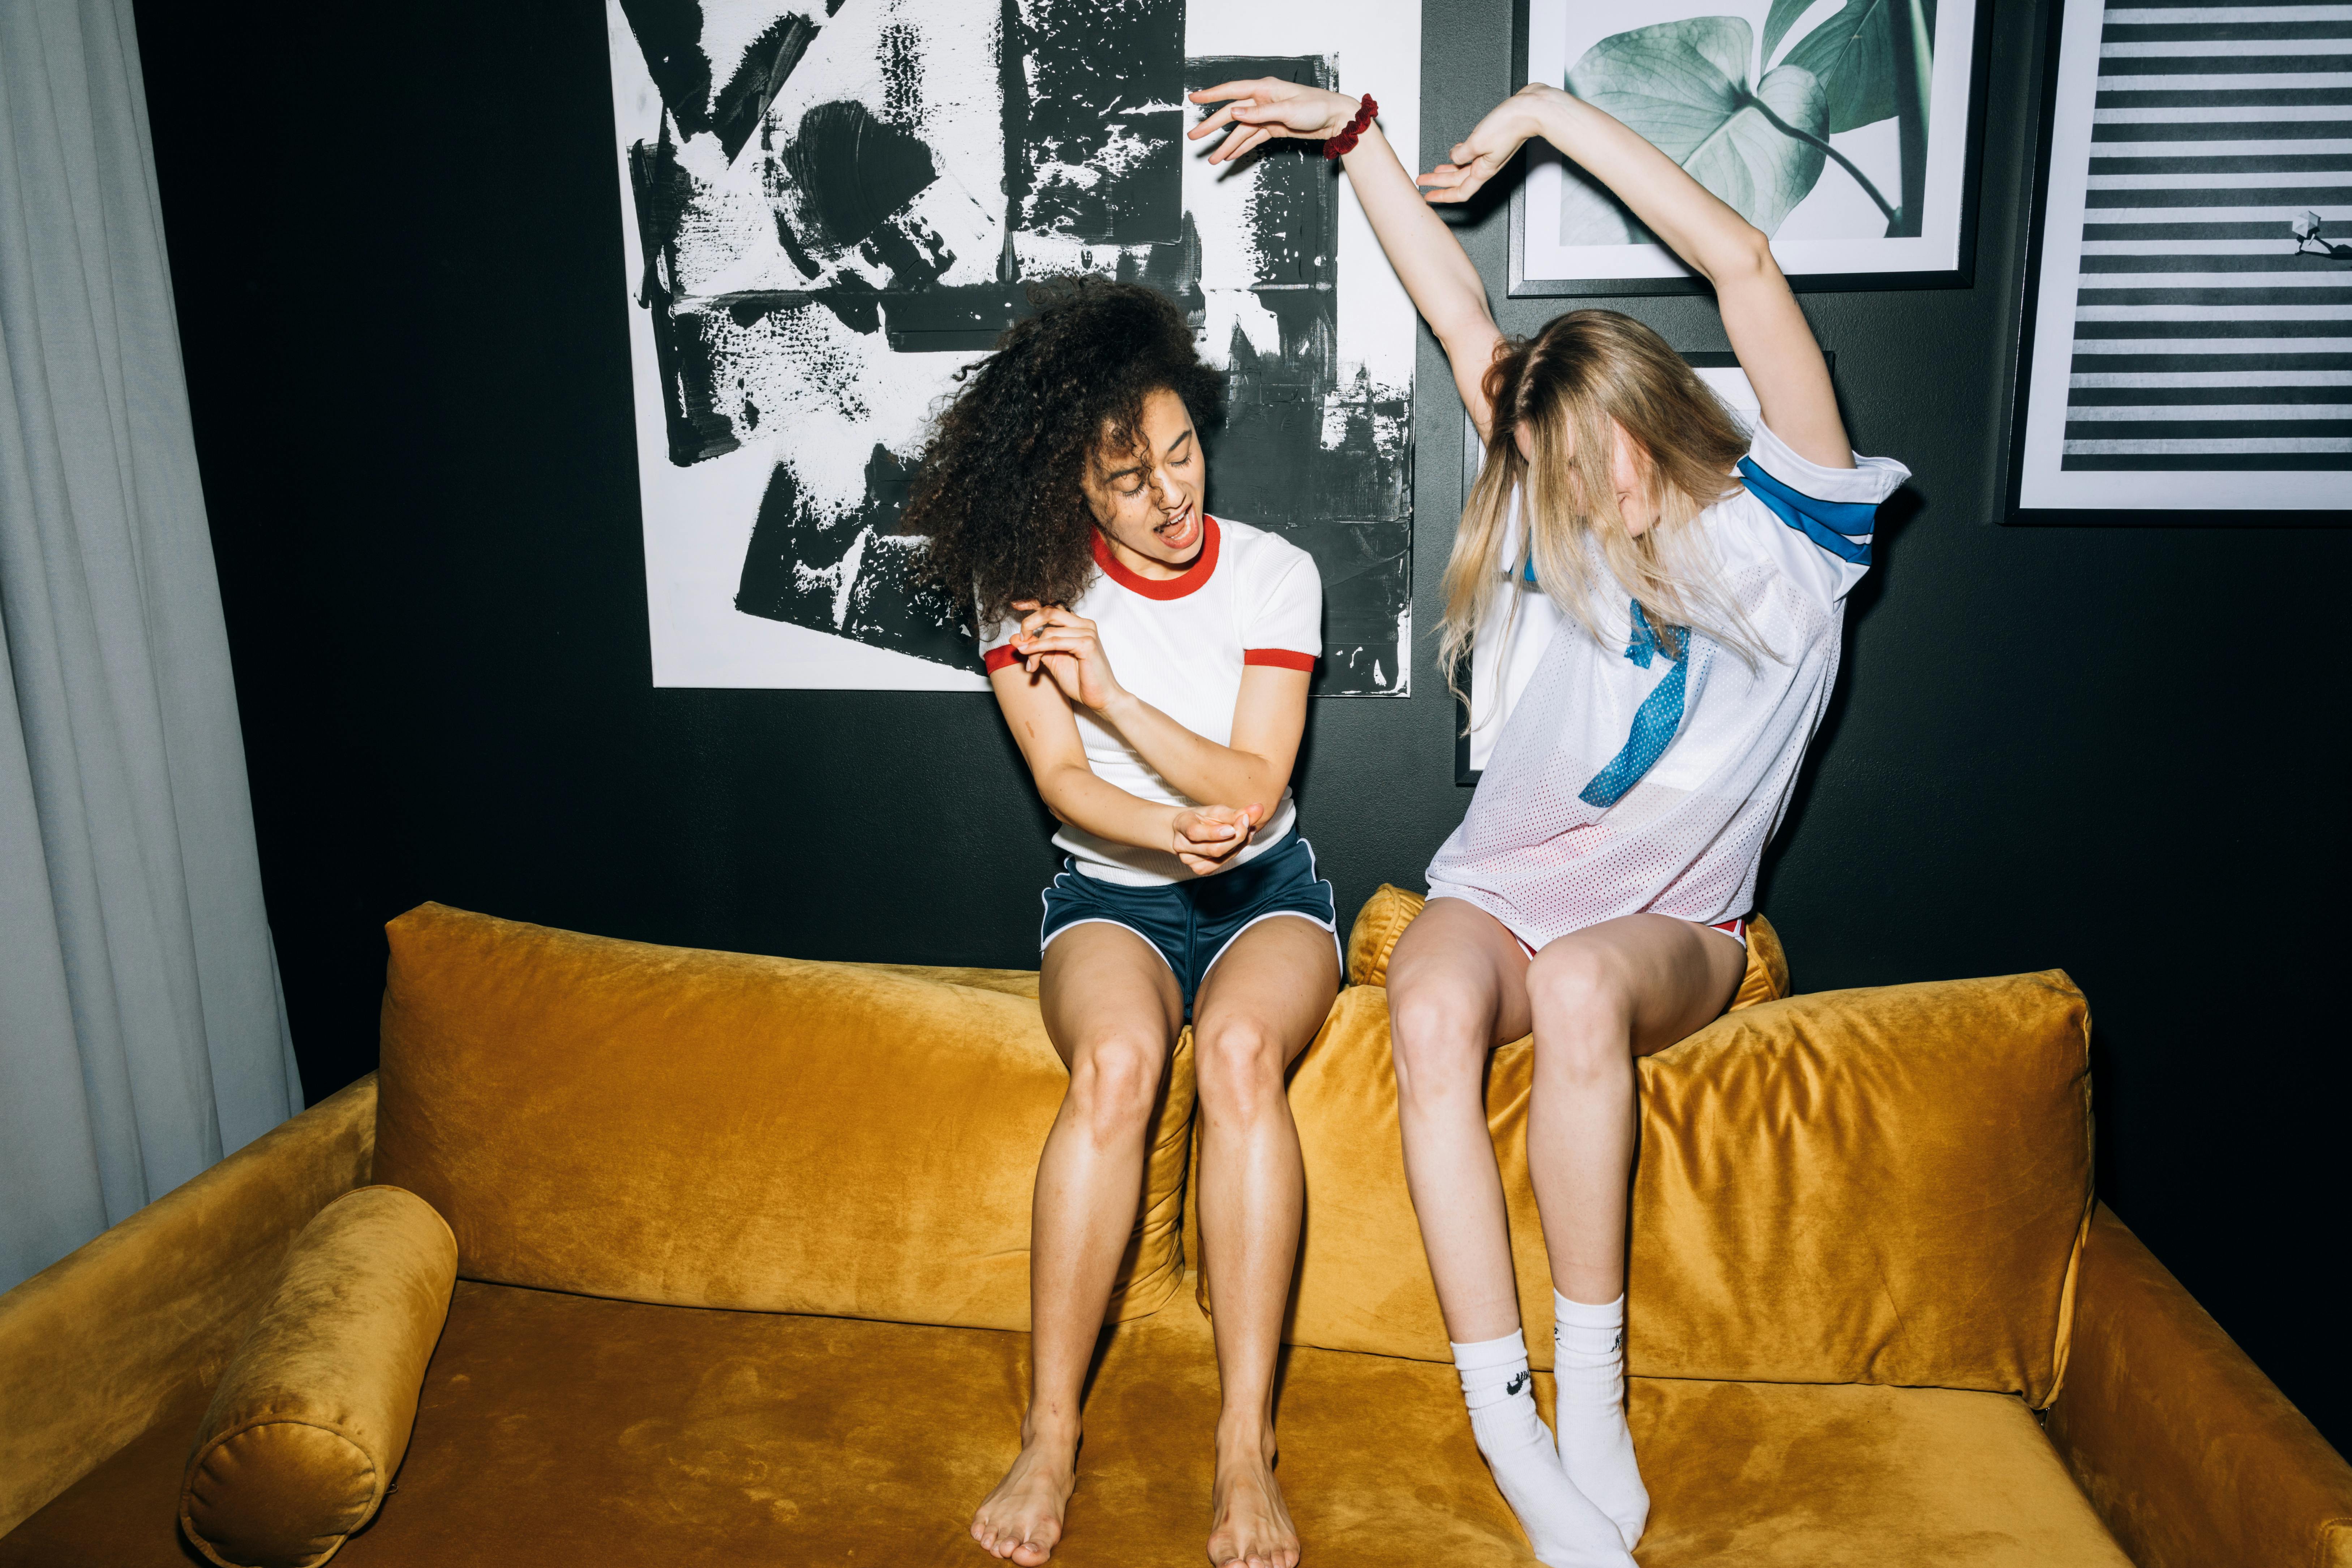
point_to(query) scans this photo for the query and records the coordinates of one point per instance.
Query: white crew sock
(1595, 1446)
(1565, 1529)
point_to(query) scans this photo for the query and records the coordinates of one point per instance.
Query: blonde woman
(1597, 890)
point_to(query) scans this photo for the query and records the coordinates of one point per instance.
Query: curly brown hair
(999, 492)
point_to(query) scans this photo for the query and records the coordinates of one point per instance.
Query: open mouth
(1182, 532)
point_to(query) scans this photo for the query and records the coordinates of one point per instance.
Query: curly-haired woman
(1690, 577)
(1152, 663)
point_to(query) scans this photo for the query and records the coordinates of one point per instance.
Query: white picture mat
(2042, 484)
(697, 518)
(1836, 228)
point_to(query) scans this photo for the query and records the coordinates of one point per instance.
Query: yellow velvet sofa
(740, 1257)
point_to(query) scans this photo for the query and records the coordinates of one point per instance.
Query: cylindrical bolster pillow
(313, 1413)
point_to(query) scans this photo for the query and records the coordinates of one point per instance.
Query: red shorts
(1736, 929)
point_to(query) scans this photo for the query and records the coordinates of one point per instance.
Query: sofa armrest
(2193, 1457)
(96, 1347)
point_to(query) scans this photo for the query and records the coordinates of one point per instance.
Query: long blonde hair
(1587, 372)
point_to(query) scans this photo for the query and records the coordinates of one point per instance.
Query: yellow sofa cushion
(1883, 1187)
(721, 1129)
(713, 1439)
(162, 1301)
(1772, 1475)
(312, 1415)
(1390, 909)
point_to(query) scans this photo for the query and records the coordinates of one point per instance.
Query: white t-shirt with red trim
(1180, 644)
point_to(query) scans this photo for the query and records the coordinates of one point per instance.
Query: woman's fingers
(1038, 621)
(1223, 117)
(1251, 88)
(1454, 182)
(1235, 146)
(1076, 644)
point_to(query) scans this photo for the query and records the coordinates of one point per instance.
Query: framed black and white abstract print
(829, 210)
(1848, 130)
(2186, 356)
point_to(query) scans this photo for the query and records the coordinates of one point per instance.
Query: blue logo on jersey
(1654, 723)
(1841, 527)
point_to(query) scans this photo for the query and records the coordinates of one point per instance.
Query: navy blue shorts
(1191, 923)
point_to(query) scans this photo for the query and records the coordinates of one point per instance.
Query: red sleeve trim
(1280, 657)
(996, 658)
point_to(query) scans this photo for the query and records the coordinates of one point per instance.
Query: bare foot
(1022, 1519)
(1250, 1528)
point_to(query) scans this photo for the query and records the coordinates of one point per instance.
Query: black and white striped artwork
(2191, 347)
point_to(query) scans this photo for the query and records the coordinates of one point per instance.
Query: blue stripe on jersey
(1841, 527)
(1654, 723)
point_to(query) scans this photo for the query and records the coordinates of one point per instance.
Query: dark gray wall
(395, 234)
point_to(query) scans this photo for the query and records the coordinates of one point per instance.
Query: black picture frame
(1962, 274)
(2048, 53)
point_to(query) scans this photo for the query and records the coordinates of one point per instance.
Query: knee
(1437, 1040)
(1115, 1085)
(1583, 1012)
(1237, 1064)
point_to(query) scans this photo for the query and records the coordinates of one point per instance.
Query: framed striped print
(2187, 351)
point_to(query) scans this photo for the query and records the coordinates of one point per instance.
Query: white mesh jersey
(1180, 644)
(1626, 781)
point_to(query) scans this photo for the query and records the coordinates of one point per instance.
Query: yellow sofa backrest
(719, 1130)
(1886, 1185)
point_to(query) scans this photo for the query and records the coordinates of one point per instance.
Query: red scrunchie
(1345, 143)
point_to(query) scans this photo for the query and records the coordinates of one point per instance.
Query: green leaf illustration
(1675, 82)
(1853, 55)
(1778, 20)
(1683, 85)
(1754, 165)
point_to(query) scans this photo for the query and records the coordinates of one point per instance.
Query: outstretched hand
(1491, 144)
(1207, 838)
(1266, 107)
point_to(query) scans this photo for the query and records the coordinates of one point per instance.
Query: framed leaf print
(1848, 130)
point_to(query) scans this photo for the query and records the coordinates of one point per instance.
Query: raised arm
(1767, 329)
(1445, 286)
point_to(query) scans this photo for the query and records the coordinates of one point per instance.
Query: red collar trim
(1186, 582)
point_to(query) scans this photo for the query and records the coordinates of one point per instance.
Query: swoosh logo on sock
(1518, 1382)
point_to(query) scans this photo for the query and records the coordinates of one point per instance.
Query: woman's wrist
(1339, 109)
(1338, 143)
(1544, 111)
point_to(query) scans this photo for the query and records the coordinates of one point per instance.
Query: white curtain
(143, 1034)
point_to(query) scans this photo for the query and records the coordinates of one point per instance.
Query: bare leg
(1457, 988)
(1599, 997)
(1112, 1010)
(1261, 1005)
(1459, 985)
